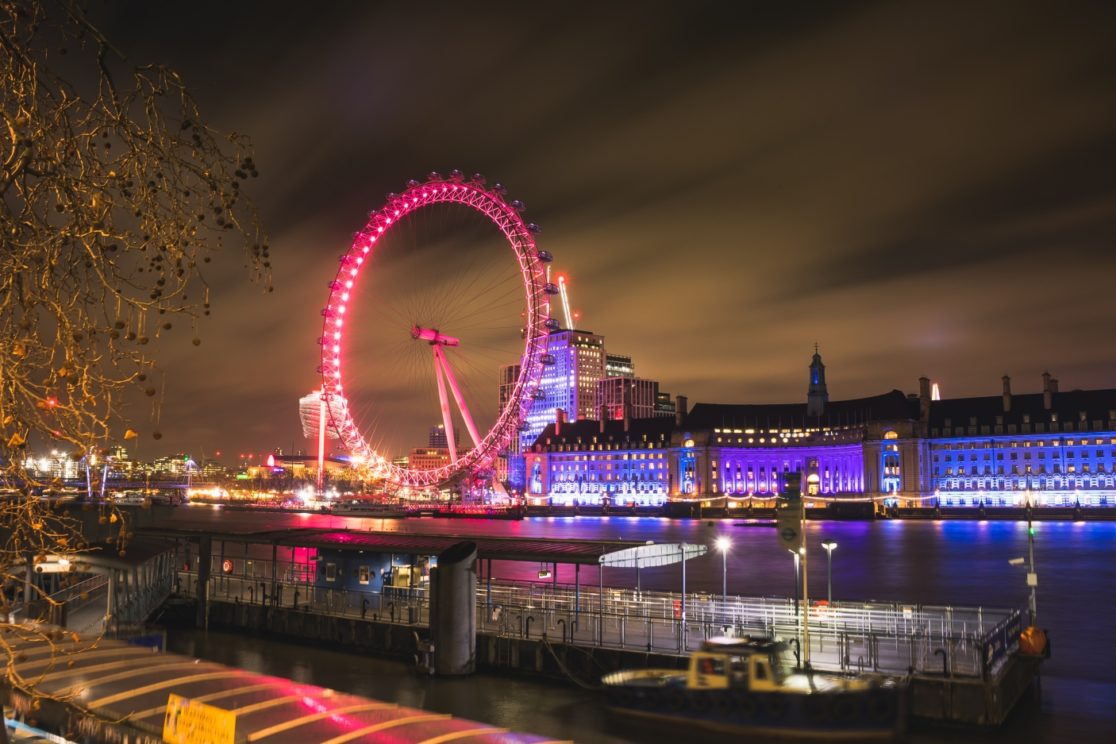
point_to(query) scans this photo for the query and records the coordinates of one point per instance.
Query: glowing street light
(724, 544)
(829, 548)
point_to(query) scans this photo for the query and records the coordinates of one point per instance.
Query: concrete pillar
(453, 610)
(205, 550)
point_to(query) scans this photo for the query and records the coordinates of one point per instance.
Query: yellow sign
(191, 722)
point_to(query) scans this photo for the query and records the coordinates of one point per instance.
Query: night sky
(922, 189)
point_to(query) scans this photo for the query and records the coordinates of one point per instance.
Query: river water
(914, 562)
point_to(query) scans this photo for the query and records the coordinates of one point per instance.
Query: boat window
(331, 572)
(712, 665)
(761, 671)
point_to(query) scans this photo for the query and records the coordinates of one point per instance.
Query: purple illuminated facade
(1048, 449)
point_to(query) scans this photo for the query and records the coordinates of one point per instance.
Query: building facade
(1050, 448)
(627, 396)
(601, 462)
(1041, 449)
(619, 365)
(568, 384)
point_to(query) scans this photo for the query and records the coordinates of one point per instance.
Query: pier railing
(864, 637)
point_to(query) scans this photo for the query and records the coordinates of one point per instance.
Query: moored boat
(741, 685)
(376, 509)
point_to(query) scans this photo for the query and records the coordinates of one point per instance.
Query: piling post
(205, 549)
(453, 610)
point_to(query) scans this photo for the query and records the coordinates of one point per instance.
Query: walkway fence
(876, 637)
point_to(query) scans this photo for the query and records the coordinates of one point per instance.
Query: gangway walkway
(105, 590)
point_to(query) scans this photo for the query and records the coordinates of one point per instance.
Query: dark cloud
(921, 188)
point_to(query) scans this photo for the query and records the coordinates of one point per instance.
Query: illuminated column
(321, 437)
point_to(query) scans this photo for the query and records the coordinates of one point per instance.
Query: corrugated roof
(117, 688)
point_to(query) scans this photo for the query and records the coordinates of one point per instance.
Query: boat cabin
(736, 662)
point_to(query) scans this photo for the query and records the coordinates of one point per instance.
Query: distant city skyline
(921, 189)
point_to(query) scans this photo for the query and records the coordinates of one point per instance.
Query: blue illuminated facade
(570, 383)
(1043, 449)
(602, 462)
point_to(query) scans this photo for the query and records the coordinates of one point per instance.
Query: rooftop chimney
(1054, 385)
(1007, 394)
(559, 419)
(604, 416)
(680, 406)
(1047, 392)
(924, 399)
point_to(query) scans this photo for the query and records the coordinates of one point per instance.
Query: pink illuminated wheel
(439, 344)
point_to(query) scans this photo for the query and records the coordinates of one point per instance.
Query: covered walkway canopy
(111, 691)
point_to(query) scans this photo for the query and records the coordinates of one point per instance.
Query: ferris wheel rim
(505, 215)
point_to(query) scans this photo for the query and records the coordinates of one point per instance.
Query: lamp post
(796, 559)
(1032, 576)
(723, 544)
(829, 548)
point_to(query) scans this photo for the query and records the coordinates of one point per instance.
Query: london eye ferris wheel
(418, 320)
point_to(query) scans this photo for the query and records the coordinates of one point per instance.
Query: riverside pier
(369, 590)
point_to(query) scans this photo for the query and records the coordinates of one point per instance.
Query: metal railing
(885, 638)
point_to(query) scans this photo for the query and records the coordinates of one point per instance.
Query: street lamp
(1032, 576)
(724, 544)
(829, 548)
(796, 560)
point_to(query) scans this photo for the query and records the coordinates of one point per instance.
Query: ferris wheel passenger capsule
(550, 288)
(500, 189)
(456, 175)
(534, 227)
(518, 206)
(552, 324)
(478, 179)
(412, 183)
(544, 256)
(433, 176)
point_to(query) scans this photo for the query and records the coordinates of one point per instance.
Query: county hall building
(1044, 449)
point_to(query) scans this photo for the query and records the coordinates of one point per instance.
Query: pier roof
(277, 529)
